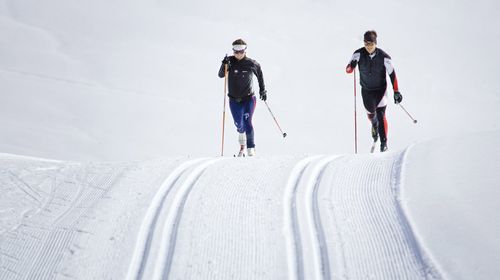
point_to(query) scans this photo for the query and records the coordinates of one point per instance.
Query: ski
(383, 147)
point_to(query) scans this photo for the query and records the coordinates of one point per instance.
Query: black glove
(226, 60)
(397, 97)
(263, 95)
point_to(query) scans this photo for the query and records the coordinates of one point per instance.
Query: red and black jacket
(372, 69)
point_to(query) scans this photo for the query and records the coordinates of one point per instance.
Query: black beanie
(239, 42)
(370, 36)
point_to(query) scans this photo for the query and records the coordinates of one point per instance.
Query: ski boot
(383, 146)
(251, 152)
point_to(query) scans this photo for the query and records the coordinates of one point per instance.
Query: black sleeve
(391, 71)
(221, 71)
(260, 76)
(394, 81)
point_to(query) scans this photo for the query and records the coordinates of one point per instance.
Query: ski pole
(414, 120)
(224, 110)
(355, 118)
(283, 133)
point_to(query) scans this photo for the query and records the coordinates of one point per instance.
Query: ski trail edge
(429, 268)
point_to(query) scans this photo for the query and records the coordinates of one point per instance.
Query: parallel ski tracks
(168, 233)
(365, 234)
(310, 234)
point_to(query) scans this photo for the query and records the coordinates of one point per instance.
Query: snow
(418, 213)
(451, 190)
(110, 116)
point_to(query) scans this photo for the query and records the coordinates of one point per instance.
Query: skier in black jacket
(373, 64)
(242, 101)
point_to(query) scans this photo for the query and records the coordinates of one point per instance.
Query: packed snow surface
(125, 95)
(425, 212)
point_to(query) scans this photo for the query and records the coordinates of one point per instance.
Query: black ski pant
(376, 114)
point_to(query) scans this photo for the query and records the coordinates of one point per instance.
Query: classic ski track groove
(292, 232)
(314, 237)
(147, 229)
(316, 231)
(171, 226)
(343, 219)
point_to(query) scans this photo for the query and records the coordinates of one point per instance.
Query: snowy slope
(386, 216)
(95, 82)
(102, 80)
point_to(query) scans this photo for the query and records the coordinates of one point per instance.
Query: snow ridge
(429, 268)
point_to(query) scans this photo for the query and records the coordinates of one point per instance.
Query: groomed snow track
(343, 220)
(161, 262)
(318, 217)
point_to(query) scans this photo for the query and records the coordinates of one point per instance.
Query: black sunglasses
(239, 52)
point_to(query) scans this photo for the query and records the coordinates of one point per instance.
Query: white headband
(239, 47)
